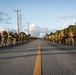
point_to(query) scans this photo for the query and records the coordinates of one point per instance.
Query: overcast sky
(44, 14)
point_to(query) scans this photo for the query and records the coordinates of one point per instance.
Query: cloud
(44, 30)
(32, 27)
(38, 31)
(4, 17)
(8, 18)
(1, 19)
(53, 30)
(42, 35)
(67, 17)
(7, 22)
(65, 25)
(3, 13)
(1, 29)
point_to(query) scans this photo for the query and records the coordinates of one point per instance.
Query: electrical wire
(18, 7)
(13, 3)
(7, 4)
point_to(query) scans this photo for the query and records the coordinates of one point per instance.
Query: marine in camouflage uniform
(4, 36)
(59, 39)
(66, 38)
(72, 40)
(50, 38)
(0, 38)
(63, 37)
(56, 38)
(15, 38)
(10, 38)
(21, 37)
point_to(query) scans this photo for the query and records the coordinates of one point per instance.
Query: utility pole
(8, 29)
(20, 22)
(28, 27)
(17, 18)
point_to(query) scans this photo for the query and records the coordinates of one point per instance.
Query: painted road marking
(38, 66)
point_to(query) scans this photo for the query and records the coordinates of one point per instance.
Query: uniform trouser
(72, 41)
(9, 42)
(4, 42)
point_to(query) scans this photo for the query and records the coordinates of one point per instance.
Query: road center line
(38, 66)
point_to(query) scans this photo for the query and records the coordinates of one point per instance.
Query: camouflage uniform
(72, 38)
(59, 39)
(56, 38)
(15, 41)
(52, 37)
(19, 38)
(49, 37)
(22, 37)
(10, 38)
(62, 37)
(0, 38)
(66, 38)
(4, 38)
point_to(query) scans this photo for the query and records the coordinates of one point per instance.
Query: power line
(20, 16)
(7, 4)
(15, 3)
(4, 5)
(12, 3)
(1, 4)
(18, 7)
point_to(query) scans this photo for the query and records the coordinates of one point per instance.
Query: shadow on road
(10, 47)
(12, 57)
(19, 50)
(61, 48)
(57, 53)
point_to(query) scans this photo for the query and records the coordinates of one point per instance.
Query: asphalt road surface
(38, 57)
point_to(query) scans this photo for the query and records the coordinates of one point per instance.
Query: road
(38, 57)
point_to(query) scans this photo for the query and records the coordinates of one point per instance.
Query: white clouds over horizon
(38, 31)
(1, 29)
(65, 25)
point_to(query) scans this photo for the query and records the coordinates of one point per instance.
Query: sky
(43, 16)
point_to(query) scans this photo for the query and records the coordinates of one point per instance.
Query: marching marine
(4, 38)
(10, 38)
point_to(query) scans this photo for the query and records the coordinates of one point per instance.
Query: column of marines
(10, 38)
(66, 36)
